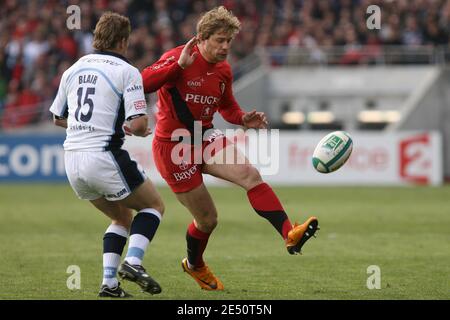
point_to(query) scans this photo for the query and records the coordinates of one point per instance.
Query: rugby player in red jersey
(194, 81)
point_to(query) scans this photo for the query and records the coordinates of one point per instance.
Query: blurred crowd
(36, 46)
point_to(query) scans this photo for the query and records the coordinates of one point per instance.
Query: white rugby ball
(332, 151)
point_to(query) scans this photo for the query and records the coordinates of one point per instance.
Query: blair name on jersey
(87, 78)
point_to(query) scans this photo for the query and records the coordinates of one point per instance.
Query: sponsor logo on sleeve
(140, 105)
(136, 87)
(163, 64)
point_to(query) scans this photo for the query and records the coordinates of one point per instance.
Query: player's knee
(250, 176)
(124, 220)
(159, 206)
(210, 225)
(213, 223)
(207, 225)
(145, 202)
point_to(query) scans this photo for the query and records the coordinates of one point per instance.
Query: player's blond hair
(217, 19)
(110, 30)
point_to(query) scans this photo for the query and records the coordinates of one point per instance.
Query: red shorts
(180, 164)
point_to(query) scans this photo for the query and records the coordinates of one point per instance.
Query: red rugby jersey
(191, 94)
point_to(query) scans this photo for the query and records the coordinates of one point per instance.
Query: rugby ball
(332, 151)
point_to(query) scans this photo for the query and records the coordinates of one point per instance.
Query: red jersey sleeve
(165, 70)
(228, 106)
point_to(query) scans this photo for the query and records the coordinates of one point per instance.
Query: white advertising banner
(284, 158)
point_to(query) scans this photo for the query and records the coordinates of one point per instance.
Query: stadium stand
(36, 46)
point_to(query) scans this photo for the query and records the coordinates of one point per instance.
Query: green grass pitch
(405, 231)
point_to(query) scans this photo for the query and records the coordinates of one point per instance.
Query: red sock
(196, 244)
(266, 204)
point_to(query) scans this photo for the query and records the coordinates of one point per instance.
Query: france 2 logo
(416, 159)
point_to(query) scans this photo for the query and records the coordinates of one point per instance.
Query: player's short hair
(110, 30)
(217, 19)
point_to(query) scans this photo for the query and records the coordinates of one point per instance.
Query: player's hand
(186, 56)
(147, 133)
(128, 132)
(255, 120)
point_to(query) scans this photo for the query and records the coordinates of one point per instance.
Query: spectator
(35, 42)
(21, 107)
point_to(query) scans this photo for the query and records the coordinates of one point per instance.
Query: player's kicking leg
(198, 201)
(261, 196)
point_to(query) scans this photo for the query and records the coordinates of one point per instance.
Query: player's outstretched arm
(138, 127)
(187, 57)
(168, 67)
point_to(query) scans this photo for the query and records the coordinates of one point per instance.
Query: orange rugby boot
(204, 277)
(300, 233)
